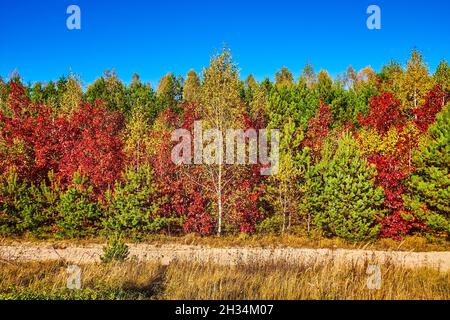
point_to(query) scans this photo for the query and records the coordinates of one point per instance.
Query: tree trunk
(219, 201)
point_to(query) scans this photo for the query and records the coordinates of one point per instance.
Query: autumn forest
(364, 155)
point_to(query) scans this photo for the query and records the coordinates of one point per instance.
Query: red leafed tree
(50, 136)
(93, 147)
(399, 224)
(187, 190)
(426, 114)
(393, 166)
(318, 128)
(35, 142)
(198, 220)
(390, 177)
(17, 134)
(384, 112)
(178, 193)
(244, 199)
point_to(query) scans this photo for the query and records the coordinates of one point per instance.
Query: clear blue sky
(155, 37)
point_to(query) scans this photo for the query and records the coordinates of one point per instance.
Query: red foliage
(394, 168)
(89, 142)
(50, 137)
(176, 188)
(93, 147)
(18, 101)
(197, 219)
(384, 112)
(18, 130)
(318, 128)
(426, 114)
(390, 177)
(246, 190)
(188, 191)
(395, 226)
(244, 204)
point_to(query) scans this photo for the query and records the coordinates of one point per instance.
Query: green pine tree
(130, 207)
(342, 197)
(78, 215)
(430, 184)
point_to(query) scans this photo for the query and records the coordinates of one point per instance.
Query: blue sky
(155, 37)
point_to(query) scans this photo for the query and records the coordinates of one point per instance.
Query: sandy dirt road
(19, 252)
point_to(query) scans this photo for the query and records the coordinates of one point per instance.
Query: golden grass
(184, 280)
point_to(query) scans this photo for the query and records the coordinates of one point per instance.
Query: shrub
(78, 214)
(271, 225)
(115, 250)
(25, 207)
(130, 206)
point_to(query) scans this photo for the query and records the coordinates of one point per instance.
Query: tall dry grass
(184, 280)
(315, 281)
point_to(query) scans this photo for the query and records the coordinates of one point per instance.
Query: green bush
(271, 225)
(115, 250)
(78, 214)
(26, 208)
(130, 207)
(165, 223)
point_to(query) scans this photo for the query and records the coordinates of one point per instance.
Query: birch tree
(221, 108)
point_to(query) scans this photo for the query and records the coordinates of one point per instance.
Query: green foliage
(347, 104)
(271, 225)
(341, 194)
(442, 74)
(15, 202)
(130, 206)
(78, 213)
(110, 90)
(298, 103)
(430, 184)
(72, 95)
(3, 97)
(169, 92)
(115, 250)
(324, 87)
(25, 207)
(165, 223)
(141, 100)
(280, 191)
(327, 185)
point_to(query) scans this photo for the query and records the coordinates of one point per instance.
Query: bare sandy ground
(20, 252)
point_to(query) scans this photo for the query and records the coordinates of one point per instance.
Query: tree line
(362, 156)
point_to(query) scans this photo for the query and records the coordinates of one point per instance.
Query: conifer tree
(430, 184)
(343, 197)
(130, 206)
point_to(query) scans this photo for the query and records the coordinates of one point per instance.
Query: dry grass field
(186, 280)
(198, 268)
